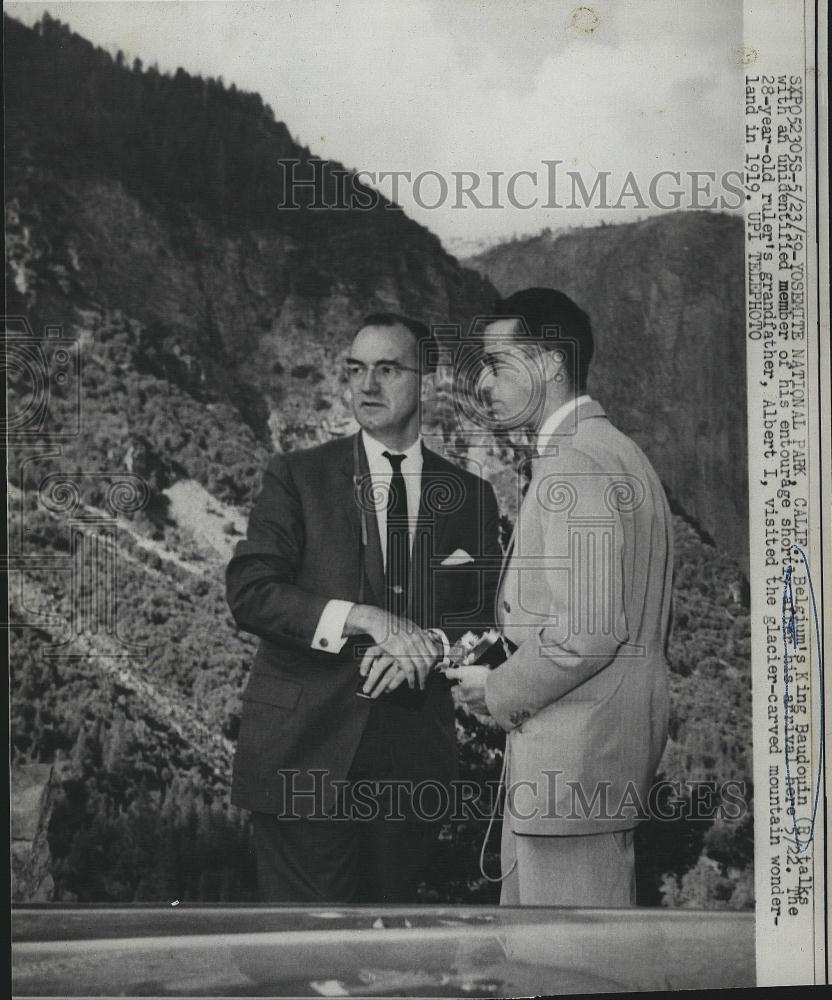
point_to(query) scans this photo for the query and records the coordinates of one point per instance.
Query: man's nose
(369, 382)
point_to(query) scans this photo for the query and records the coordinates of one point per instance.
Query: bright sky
(468, 85)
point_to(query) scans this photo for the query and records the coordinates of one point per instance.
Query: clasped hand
(402, 653)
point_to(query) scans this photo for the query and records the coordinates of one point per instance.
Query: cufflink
(506, 607)
(323, 642)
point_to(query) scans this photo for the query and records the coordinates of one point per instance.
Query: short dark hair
(421, 334)
(540, 308)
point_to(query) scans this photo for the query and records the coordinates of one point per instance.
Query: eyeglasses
(386, 372)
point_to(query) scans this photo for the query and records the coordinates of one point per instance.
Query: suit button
(506, 607)
(324, 643)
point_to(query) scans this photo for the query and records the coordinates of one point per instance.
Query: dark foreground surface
(373, 951)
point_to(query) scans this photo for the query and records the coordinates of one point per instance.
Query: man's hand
(402, 651)
(382, 672)
(471, 688)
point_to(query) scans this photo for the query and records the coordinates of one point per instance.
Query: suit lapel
(358, 497)
(374, 564)
(562, 433)
(431, 524)
(348, 495)
(431, 518)
(525, 471)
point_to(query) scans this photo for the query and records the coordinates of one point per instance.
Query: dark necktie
(397, 570)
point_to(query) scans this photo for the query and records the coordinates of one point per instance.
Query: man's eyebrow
(381, 361)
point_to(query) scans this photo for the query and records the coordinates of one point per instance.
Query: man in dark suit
(364, 557)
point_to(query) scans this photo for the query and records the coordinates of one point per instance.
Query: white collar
(375, 451)
(554, 420)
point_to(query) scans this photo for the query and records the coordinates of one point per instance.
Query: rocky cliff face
(256, 318)
(159, 196)
(666, 301)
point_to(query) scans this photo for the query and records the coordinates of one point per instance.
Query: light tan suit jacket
(586, 596)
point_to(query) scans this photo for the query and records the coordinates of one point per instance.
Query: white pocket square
(457, 558)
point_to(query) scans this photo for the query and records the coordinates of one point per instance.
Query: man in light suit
(367, 556)
(585, 595)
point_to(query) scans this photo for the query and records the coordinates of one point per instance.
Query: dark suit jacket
(300, 711)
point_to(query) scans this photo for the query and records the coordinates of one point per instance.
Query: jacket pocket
(271, 689)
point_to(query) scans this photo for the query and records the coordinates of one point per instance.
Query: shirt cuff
(329, 635)
(440, 636)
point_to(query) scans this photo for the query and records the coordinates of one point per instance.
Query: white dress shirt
(330, 626)
(381, 472)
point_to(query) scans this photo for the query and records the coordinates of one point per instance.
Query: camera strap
(500, 787)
